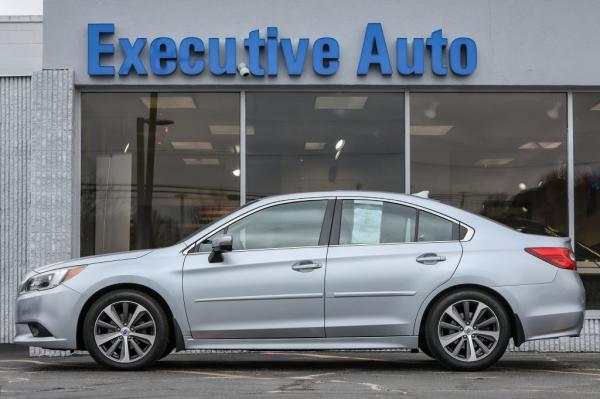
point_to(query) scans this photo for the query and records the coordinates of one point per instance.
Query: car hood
(90, 260)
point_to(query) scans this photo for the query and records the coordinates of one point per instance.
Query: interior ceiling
(484, 125)
(490, 125)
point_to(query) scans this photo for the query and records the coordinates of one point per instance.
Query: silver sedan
(318, 271)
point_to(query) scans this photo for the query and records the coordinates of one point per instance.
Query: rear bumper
(549, 310)
(56, 310)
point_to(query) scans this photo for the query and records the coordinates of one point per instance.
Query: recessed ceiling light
(430, 130)
(171, 102)
(529, 146)
(340, 102)
(201, 161)
(192, 145)
(313, 145)
(595, 107)
(550, 145)
(546, 145)
(494, 162)
(232, 130)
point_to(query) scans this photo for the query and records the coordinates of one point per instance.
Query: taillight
(559, 257)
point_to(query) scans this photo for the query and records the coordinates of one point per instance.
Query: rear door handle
(306, 266)
(430, 259)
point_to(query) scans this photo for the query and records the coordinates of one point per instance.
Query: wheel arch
(516, 327)
(175, 334)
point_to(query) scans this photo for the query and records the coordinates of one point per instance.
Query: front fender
(159, 273)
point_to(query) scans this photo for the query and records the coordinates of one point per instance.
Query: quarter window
(435, 228)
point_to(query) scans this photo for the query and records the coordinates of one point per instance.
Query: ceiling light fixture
(340, 102)
(529, 146)
(314, 145)
(430, 130)
(549, 145)
(192, 145)
(431, 112)
(546, 145)
(201, 161)
(233, 130)
(171, 102)
(485, 162)
(553, 112)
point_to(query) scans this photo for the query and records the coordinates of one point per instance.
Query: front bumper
(549, 310)
(57, 310)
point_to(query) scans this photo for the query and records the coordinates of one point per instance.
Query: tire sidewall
(162, 329)
(431, 330)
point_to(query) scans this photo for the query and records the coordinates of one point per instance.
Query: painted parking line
(217, 375)
(24, 361)
(324, 356)
(569, 372)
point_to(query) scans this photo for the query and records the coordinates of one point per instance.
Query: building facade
(147, 120)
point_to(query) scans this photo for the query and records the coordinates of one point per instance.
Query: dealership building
(129, 125)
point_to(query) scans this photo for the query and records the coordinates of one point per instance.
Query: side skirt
(344, 343)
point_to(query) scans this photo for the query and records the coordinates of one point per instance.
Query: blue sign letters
(266, 54)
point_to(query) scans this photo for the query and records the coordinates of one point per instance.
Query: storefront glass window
(586, 124)
(155, 166)
(298, 142)
(502, 155)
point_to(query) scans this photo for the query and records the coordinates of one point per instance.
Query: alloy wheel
(125, 331)
(468, 330)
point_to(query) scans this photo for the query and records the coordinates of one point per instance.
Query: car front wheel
(126, 330)
(468, 330)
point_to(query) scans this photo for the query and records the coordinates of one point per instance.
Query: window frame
(324, 235)
(337, 221)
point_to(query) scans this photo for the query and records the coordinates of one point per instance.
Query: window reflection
(298, 142)
(155, 167)
(502, 155)
(586, 123)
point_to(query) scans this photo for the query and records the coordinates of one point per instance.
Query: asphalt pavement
(301, 375)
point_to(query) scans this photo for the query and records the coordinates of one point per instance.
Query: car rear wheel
(467, 330)
(126, 330)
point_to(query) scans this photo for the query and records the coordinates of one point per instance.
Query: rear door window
(380, 222)
(376, 222)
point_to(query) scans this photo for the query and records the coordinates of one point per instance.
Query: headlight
(48, 280)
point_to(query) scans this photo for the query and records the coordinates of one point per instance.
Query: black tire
(168, 350)
(160, 329)
(432, 327)
(425, 349)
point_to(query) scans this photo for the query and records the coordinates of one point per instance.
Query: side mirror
(220, 244)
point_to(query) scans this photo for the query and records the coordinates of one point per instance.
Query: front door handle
(306, 266)
(430, 259)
